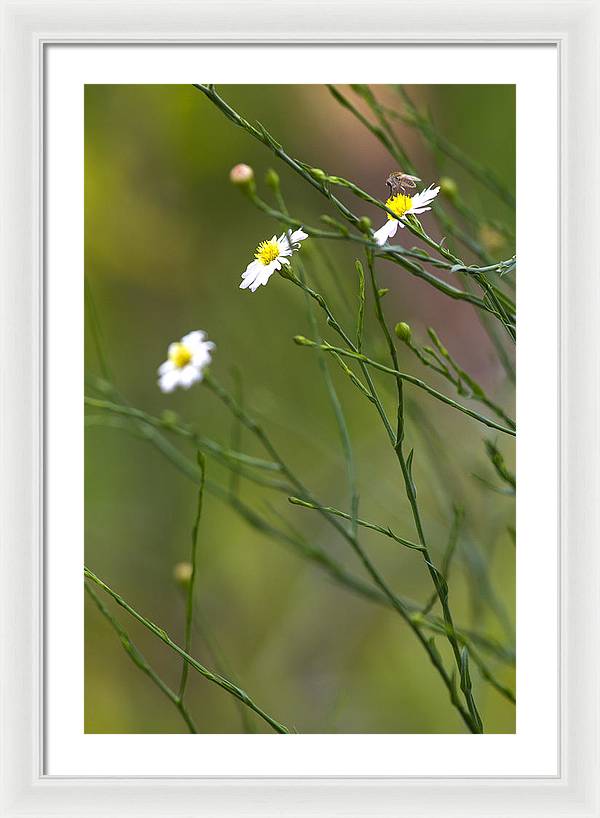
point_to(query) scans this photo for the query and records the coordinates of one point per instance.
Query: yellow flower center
(399, 204)
(180, 355)
(267, 251)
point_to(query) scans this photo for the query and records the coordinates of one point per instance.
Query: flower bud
(241, 175)
(317, 173)
(272, 179)
(492, 240)
(448, 187)
(403, 332)
(364, 224)
(169, 418)
(104, 386)
(383, 291)
(302, 341)
(182, 573)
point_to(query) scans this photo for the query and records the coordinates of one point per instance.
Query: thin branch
(307, 342)
(215, 678)
(189, 617)
(140, 661)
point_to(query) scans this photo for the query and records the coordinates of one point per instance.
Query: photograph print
(300, 330)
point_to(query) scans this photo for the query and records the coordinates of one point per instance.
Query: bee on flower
(269, 257)
(402, 205)
(186, 362)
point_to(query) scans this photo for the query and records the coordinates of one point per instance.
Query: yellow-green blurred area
(167, 239)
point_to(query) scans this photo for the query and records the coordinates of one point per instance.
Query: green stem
(331, 392)
(226, 456)
(397, 253)
(192, 583)
(323, 186)
(438, 142)
(459, 379)
(386, 136)
(140, 661)
(439, 583)
(352, 540)
(448, 554)
(320, 556)
(302, 341)
(215, 678)
(222, 666)
(385, 530)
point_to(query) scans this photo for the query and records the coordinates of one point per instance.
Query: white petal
(169, 380)
(193, 339)
(424, 198)
(189, 375)
(387, 231)
(247, 280)
(299, 235)
(285, 244)
(166, 367)
(251, 274)
(262, 279)
(252, 266)
(202, 357)
(201, 348)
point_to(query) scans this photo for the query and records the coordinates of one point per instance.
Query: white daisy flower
(269, 257)
(186, 363)
(403, 205)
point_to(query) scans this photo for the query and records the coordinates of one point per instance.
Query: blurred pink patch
(241, 174)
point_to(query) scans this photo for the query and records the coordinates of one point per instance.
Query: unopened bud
(364, 224)
(302, 341)
(272, 179)
(103, 386)
(241, 175)
(182, 573)
(383, 291)
(319, 174)
(492, 240)
(448, 187)
(403, 331)
(169, 418)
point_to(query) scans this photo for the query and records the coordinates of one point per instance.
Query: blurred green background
(167, 238)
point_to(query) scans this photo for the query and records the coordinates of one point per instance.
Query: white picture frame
(27, 28)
